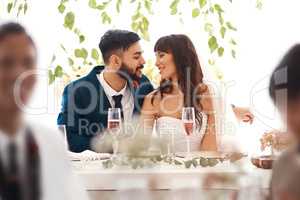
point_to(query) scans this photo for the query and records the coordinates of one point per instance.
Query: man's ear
(115, 61)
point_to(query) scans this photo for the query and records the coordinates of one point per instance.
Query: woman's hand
(277, 139)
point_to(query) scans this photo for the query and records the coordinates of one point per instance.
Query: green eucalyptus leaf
(9, 7)
(202, 3)
(81, 38)
(147, 4)
(233, 53)
(221, 19)
(59, 71)
(95, 54)
(118, 5)
(212, 162)
(232, 41)
(212, 43)
(220, 51)
(194, 162)
(93, 4)
(223, 31)
(25, 8)
(218, 8)
(203, 162)
(230, 26)
(61, 8)
(208, 27)
(176, 162)
(71, 62)
(69, 20)
(195, 12)
(51, 77)
(20, 9)
(188, 164)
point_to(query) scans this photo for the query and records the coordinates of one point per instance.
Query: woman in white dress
(181, 86)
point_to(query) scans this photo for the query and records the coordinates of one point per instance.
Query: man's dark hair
(12, 28)
(114, 40)
(287, 75)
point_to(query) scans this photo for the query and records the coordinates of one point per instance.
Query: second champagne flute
(113, 125)
(188, 118)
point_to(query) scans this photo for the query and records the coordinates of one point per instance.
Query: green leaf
(194, 163)
(173, 7)
(95, 54)
(53, 59)
(105, 18)
(93, 4)
(229, 25)
(212, 162)
(176, 162)
(211, 62)
(119, 2)
(218, 8)
(9, 7)
(232, 41)
(221, 19)
(81, 38)
(58, 71)
(69, 20)
(195, 12)
(220, 51)
(61, 8)
(174, 4)
(188, 164)
(81, 53)
(223, 31)
(148, 6)
(136, 16)
(233, 54)
(25, 8)
(174, 11)
(208, 27)
(20, 9)
(63, 48)
(71, 62)
(202, 3)
(203, 162)
(212, 43)
(134, 26)
(211, 9)
(51, 77)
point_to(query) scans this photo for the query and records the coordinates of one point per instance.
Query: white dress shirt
(127, 99)
(57, 179)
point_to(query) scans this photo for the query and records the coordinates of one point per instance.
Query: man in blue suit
(118, 84)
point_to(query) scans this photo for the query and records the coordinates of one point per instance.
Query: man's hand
(243, 114)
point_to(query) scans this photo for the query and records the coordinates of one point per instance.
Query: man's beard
(126, 73)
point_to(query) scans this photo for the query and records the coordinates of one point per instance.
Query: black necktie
(11, 187)
(13, 177)
(118, 104)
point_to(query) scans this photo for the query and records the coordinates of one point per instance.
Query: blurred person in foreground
(285, 92)
(33, 161)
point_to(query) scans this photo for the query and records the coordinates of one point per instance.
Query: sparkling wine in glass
(188, 118)
(113, 125)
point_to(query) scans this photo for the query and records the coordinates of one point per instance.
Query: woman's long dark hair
(189, 72)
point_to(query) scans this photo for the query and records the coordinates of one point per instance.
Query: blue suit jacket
(85, 105)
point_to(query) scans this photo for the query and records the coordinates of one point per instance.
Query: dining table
(165, 181)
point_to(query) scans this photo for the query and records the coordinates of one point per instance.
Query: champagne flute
(188, 118)
(113, 125)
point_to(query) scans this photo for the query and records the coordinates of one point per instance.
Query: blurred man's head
(285, 89)
(17, 58)
(286, 179)
(122, 52)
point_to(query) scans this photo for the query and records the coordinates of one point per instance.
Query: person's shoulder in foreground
(59, 179)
